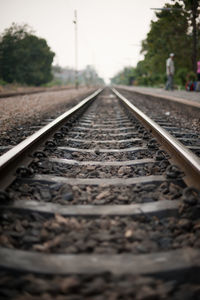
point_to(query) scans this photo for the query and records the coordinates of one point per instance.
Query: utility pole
(76, 48)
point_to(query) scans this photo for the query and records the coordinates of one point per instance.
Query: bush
(55, 82)
(2, 82)
(181, 76)
(24, 58)
(191, 76)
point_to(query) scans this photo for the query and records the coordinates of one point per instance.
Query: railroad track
(99, 204)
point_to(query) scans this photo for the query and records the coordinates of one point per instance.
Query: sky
(109, 31)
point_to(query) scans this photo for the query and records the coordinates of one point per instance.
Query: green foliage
(54, 82)
(24, 58)
(2, 82)
(125, 77)
(173, 31)
(181, 76)
(168, 34)
(191, 76)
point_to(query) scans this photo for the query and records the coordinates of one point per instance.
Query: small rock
(97, 151)
(185, 224)
(197, 226)
(18, 226)
(69, 284)
(139, 235)
(149, 187)
(124, 170)
(91, 168)
(165, 242)
(128, 233)
(103, 195)
(190, 200)
(67, 196)
(37, 286)
(147, 199)
(45, 194)
(98, 284)
(31, 239)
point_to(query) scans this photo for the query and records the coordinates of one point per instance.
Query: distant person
(198, 77)
(198, 70)
(170, 72)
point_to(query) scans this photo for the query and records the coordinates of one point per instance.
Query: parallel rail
(21, 153)
(182, 156)
(173, 263)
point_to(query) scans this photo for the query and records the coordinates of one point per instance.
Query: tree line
(27, 60)
(176, 30)
(24, 57)
(85, 77)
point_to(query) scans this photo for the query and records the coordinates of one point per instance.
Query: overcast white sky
(109, 31)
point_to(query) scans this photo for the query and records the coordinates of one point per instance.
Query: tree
(87, 76)
(125, 77)
(192, 12)
(168, 34)
(175, 30)
(24, 58)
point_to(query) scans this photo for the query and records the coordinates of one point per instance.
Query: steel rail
(180, 155)
(21, 152)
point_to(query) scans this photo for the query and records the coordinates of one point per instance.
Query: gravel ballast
(18, 113)
(174, 113)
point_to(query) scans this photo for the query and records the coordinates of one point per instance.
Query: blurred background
(96, 42)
